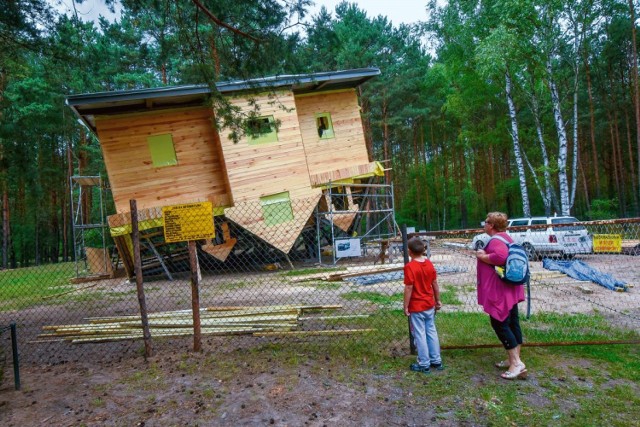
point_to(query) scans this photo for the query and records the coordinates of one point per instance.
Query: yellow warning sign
(190, 221)
(607, 243)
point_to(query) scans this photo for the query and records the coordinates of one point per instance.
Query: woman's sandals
(503, 364)
(519, 374)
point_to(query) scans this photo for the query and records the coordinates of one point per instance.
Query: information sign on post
(190, 221)
(187, 223)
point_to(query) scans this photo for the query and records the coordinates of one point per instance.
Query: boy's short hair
(416, 245)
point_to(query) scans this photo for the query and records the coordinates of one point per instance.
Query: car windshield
(567, 220)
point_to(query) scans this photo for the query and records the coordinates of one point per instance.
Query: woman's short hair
(498, 220)
(416, 245)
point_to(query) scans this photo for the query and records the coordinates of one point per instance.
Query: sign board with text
(189, 221)
(607, 243)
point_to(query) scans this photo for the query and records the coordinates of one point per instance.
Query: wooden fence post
(137, 261)
(195, 295)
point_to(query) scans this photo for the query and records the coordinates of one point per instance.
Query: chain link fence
(317, 270)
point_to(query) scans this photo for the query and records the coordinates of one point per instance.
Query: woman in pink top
(499, 299)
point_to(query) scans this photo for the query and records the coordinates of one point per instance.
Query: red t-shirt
(421, 275)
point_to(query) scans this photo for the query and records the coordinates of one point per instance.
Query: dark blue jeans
(508, 331)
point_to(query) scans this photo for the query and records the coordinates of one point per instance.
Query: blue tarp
(582, 271)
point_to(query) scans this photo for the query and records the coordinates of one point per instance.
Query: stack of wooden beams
(257, 321)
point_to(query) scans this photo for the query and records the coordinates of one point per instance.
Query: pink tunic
(495, 296)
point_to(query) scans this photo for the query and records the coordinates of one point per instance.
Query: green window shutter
(162, 150)
(265, 130)
(276, 208)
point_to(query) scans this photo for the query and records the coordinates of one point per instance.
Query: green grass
(25, 287)
(374, 297)
(449, 295)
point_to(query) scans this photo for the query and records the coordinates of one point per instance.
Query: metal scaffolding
(358, 217)
(89, 226)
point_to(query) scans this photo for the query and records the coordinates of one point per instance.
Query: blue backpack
(516, 269)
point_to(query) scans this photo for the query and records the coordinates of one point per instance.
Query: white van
(553, 239)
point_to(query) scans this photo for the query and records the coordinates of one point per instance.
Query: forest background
(528, 107)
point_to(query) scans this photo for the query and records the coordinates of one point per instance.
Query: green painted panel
(276, 208)
(162, 150)
(265, 129)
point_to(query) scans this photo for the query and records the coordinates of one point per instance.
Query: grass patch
(25, 287)
(374, 297)
(468, 329)
(449, 295)
(150, 379)
(549, 327)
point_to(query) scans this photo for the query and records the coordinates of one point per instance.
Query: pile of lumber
(257, 321)
(351, 272)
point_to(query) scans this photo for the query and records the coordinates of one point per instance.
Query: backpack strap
(502, 239)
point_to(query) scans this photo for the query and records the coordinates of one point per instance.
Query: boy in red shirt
(421, 300)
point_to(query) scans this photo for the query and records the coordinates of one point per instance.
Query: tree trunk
(549, 197)
(565, 206)
(83, 163)
(592, 122)
(620, 165)
(385, 142)
(516, 147)
(614, 161)
(574, 167)
(6, 227)
(636, 95)
(66, 217)
(632, 175)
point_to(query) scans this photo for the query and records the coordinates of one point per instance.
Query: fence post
(529, 298)
(405, 253)
(195, 295)
(137, 262)
(16, 359)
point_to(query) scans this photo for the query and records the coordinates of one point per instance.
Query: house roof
(87, 106)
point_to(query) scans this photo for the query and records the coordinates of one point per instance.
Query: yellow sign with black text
(189, 221)
(607, 243)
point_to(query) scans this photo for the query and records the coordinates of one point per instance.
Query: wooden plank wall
(257, 170)
(348, 148)
(198, 176)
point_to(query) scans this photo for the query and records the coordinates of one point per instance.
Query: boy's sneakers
(419, 368)
(437, 366)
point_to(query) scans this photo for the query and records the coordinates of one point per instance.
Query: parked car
(564, 241)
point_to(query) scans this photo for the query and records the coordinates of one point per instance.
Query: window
(162, 150)
(566, 220)
(324, 126)
(263, 130)
(520, 223)
(276, 208)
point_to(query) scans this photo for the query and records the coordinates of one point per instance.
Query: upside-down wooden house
(161, 147)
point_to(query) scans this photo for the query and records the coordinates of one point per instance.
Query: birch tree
(497, 52)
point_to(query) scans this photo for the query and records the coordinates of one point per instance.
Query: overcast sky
(398, 11)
